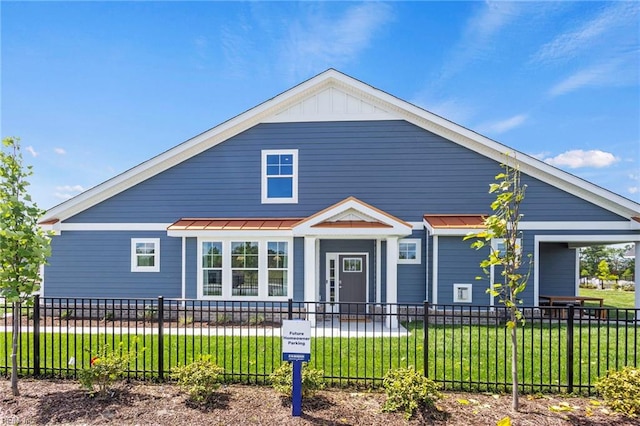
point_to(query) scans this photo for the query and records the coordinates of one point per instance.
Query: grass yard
(471, 357)
(612, 298)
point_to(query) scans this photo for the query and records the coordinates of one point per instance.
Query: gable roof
(334, 96)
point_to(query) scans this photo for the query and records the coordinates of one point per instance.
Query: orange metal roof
(351, 224)
(455, 220)
(252, 224)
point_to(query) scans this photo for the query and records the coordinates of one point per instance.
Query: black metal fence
(561, 349)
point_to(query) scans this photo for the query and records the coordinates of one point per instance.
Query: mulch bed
(64, 402)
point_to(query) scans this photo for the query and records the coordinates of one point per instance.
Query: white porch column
(637, 278)
(310, 290)
(392, 281)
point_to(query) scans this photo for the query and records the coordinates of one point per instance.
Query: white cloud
(597, 75)
(319, 41)
(60, 151)
(578, 158)
(633, 189)
(478, 36)
(65, 192)
(31, 151)
(571, 43)
(503, 126)
(70, 188)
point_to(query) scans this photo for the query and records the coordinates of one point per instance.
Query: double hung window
(280, 176)
(145, 255)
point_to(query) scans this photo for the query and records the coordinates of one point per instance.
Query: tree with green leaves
(24, 246)
(604, 273)
(507, 256)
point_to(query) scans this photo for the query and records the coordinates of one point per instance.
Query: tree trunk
(14, 350)
(515, 400)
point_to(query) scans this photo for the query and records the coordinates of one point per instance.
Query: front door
(352, 283)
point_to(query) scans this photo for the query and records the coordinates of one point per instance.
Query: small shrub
(106, 367)
(588, 285)
(621, 390)
(312, 380)
(185, 320)
(256, 319)
(66, 314)
(109, 316)
(222, 319)
(408, 390)
(628, 287)
(150, 313)
(200, 379)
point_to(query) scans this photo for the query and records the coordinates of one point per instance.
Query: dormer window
(279, 176)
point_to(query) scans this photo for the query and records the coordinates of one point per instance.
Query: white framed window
(212, 268)
(256, 268)
(409, 251)
(279, 176)
(498, 244)
(145, 255)
(277, 267)
(462, 293)
(244, 268)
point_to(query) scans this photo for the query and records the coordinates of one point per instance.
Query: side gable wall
(393, 165)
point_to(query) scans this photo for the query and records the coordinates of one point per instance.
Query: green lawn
(612, 298)
(472, 357)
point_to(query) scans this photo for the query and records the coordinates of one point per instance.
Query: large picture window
(230, 268)
(280, 176)
(145, 255)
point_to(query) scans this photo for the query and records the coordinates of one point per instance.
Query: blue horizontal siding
(393, 165)
(98, 264)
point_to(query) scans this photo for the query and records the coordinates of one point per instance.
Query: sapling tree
(507, 256)
(24, 246)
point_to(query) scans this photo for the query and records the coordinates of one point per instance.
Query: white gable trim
(374, 104)
(353, 208)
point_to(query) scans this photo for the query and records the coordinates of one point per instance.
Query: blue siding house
(331, 191)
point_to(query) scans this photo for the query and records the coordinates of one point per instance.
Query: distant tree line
(606, 264)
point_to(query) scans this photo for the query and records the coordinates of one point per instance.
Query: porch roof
(221, 224)
(453, 224)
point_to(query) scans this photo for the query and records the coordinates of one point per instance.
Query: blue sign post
(296, 348)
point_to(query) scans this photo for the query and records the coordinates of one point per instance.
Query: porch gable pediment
(353, 216)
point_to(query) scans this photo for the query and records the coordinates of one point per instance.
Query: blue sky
(95, 88)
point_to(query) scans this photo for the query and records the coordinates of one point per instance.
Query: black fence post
(570, 315)
(161, 338)
(290, 309)
(425, 338)
(36, 335)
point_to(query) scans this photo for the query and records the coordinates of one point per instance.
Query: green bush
(106, 367)
(621, 390)
(312, 380)
(200, 379)
(408, 390)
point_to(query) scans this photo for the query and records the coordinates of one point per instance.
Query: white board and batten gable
(334, 96)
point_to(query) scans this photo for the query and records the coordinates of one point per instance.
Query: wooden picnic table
(564, 300)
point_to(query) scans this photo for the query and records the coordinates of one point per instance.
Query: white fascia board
(581, 226)
(599, 239)
(114, 226)
(546, 226)
(371, 233)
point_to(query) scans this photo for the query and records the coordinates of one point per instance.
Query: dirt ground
(64, 402)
